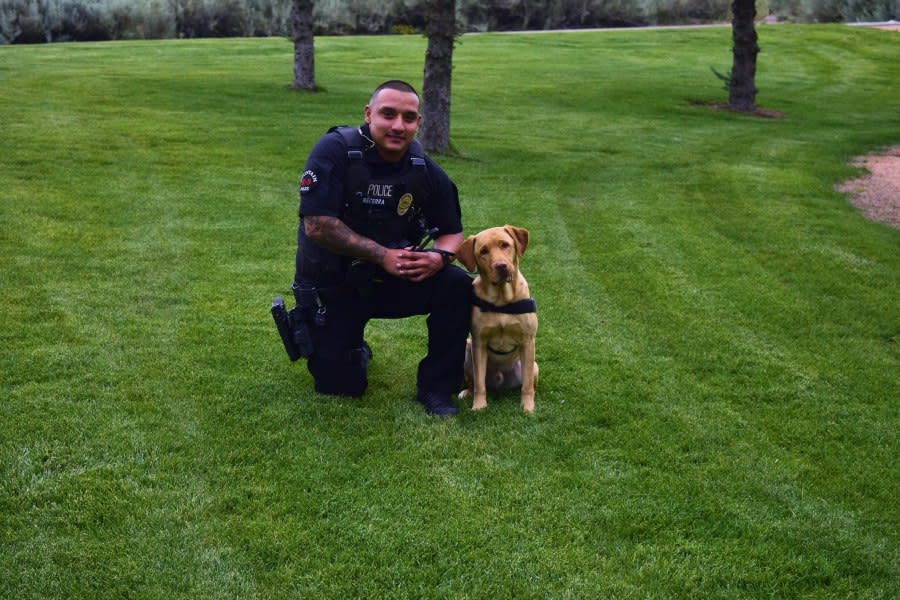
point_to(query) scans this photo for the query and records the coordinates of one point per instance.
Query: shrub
(28, 21)
(31, 21)
(870, 10)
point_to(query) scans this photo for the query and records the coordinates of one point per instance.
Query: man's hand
(418, 265)
(414, 265)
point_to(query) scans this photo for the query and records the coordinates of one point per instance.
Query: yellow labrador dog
(501, 352)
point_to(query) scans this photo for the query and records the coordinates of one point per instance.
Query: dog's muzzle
(504, 273)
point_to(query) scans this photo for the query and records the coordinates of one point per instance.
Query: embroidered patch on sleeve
(308, 181)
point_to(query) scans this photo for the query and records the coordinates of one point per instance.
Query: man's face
(393, 118)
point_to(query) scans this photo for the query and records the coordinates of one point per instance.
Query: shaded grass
(718, 406)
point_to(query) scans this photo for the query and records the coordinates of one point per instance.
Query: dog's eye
(504, 245)
(484, 250)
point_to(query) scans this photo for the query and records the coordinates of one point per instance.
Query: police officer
(367, 196)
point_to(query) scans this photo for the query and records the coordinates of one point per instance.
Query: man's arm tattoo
(332, 234)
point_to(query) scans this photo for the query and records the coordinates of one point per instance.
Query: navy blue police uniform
(392, 203)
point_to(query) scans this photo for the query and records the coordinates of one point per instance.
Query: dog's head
(494, 252)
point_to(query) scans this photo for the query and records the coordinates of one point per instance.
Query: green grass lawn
(718, 408)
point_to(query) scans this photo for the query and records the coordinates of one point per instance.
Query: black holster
(293, 329)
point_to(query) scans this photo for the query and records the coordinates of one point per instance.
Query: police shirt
(322, 194)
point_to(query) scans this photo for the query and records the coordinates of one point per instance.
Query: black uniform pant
(339, 365)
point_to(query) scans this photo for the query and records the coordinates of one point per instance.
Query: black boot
(437, 404)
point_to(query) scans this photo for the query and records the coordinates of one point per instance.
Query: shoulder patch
(308, 181)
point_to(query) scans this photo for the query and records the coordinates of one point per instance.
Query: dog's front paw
(479, 403)
(528, 404)
(464, 394)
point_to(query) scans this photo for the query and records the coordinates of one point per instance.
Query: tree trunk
(304, 51)
(742, 86)
(441, 32)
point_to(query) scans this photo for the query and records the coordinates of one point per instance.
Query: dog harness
(520, 307)
(502, 353)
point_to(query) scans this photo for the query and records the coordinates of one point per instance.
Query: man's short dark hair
(395, 84)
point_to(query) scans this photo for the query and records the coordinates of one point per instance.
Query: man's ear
(466, 253)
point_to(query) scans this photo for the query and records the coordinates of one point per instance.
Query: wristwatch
(445, 255)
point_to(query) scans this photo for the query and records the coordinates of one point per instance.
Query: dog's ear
(466, 253)
(520, 234)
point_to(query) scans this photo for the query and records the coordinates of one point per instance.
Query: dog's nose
(502, 267)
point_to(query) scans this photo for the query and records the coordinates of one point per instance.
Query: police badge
(406, 201)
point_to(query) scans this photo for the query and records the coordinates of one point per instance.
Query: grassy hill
(718, 410)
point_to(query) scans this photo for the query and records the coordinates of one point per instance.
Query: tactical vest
(387, 209)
